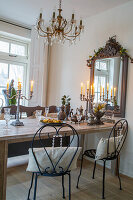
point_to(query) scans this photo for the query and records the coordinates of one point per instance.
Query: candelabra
(105, 98)
(19, 96)
(89, 99)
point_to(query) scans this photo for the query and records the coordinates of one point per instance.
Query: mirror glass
(108, 77)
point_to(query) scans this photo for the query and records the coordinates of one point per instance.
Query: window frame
(17, 59)
(102, 73)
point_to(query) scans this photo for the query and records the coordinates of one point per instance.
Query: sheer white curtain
(38, 69)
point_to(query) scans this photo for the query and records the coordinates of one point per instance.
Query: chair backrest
(58, 153)
(12, 111)
(53, 109)
(117, 138)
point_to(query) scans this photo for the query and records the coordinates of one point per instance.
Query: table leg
(3, 168)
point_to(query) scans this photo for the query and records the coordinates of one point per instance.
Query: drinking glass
(46, 111)
(79, 116)
(38, 115)
(7, 117)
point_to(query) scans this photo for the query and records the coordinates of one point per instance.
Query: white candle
(107, 87)
(87, 85)
(100, 91)
(81, 87)
(114, 92)
(8, 84)
(84, 90)
(31, 86)
(93, 91)
(19, 84)
(111, 91)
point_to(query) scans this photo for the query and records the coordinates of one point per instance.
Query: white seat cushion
(54, 153)
(102, 146)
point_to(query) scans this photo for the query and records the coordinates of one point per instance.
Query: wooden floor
(50, 188)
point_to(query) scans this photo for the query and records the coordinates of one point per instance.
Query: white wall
(7, 28)
(68, 66)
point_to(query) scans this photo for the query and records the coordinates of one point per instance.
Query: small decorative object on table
(19, 96)
(79, 111)
(91, 120)
(66, 104)
(98, 112)
(62, 114)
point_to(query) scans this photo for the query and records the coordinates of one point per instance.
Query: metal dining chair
(54, 161)
(112, 146)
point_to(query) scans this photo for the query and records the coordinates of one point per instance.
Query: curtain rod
(15, 24)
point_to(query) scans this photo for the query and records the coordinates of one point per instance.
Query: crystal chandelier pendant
(59, 29)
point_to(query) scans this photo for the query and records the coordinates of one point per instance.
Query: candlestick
(19, 96)
(81, 88)
(31, 86)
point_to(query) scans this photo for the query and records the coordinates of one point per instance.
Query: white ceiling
(26, 11)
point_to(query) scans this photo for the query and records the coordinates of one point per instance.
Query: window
(101, 77)
(13, 63)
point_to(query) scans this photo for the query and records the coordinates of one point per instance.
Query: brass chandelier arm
(41, 35)
(72, 36)
(69, 38)
(69, 30)
(40, 28)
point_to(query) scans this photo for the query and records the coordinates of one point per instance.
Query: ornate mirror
(109, 67)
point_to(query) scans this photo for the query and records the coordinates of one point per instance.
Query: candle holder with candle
(19, 96)
(104, 96)
(89, 97)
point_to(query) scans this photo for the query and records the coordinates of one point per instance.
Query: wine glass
(38, 115)
(7, 117)
(79, 116)
(58, 112)
(46, 111)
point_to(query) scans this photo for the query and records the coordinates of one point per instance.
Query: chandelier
(59, 30)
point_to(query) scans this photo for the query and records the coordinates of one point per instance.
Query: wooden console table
(26, 133)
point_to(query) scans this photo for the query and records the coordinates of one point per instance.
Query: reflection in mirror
(108, 71)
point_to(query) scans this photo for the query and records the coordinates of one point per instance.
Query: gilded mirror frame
(110, 50)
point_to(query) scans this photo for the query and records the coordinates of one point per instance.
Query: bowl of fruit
(54, 122)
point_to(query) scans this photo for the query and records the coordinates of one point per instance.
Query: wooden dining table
(18, 134)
